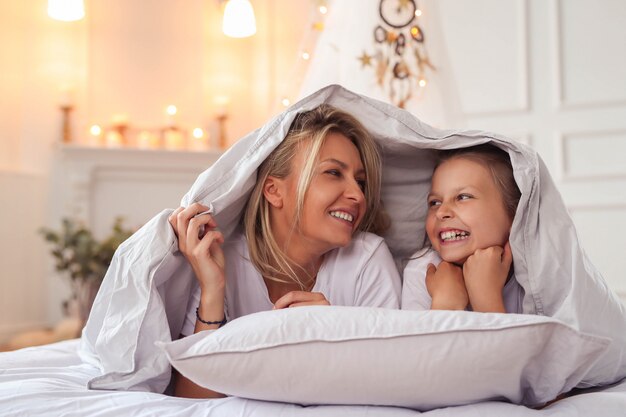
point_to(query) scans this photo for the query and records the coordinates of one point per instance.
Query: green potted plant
(84, 259)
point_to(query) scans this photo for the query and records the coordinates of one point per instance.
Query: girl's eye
(434, 203)
(464, 197)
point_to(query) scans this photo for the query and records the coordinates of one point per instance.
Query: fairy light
(198, 133)
(95, 130)
(171, 110)
(318, 11)
(422, 82)
(418, 13)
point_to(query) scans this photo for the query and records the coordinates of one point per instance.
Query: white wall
(22, 281)
(551, 73)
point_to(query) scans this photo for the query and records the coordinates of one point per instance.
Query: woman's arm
(206, 257)
(378, 282)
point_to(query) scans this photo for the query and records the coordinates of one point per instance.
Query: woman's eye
(334, 172)
(362, 184)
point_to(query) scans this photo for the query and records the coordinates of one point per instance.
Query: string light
(317, 13)
(418, 13)
(95, 130)
(198, 133)
(422, 82)
(171, 110)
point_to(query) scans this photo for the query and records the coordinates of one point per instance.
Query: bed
(51, 381)
(570, 344)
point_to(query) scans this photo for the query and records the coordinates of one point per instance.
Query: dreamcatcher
(400, 58)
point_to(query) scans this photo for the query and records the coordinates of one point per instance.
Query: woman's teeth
(453, 235)
(342, 215)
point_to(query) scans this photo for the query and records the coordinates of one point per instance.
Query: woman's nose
(354, 191)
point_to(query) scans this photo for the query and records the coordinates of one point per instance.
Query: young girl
(471, 206)
(304, 239)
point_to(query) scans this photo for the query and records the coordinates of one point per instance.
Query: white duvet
(144, 295)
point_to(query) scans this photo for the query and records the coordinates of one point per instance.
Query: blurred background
(112, 108)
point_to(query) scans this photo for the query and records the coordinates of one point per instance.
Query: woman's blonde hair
(307, 134)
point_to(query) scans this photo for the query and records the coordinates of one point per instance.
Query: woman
(305, 239)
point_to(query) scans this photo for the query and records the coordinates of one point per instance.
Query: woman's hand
(301, 298)
(446, 287)
(485, 274)
(200, 243)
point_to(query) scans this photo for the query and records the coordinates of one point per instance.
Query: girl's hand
(301, 298)
(485, 274)
(200, 243)
(446, 287)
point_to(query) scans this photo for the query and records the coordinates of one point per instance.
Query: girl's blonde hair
(307, 134)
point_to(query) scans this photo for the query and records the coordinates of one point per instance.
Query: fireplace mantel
(95, 185)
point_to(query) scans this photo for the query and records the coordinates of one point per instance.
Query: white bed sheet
(51, 381)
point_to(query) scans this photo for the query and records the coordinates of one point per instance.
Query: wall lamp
(239, 20)
(66, 10)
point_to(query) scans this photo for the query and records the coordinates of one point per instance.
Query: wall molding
(559, 55)
(565, 170)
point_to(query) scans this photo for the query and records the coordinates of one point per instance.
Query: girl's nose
(444, 212)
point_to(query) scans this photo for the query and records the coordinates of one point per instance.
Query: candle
(173, 139)
(171, 115)
(199, 140)
(114, 139)
(147, 140)
(66, 96)
(119, 119)
(221, 105)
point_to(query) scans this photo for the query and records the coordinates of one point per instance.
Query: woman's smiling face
(466, 210)
(334, 204)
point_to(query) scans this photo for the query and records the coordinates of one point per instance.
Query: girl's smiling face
(466, 210)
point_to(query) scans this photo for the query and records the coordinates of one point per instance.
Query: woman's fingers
(294, 297)
(183, 218)
(173, 219)
(197, 228)
(309, 303)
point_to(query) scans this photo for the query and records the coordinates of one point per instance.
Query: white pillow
(371, 356)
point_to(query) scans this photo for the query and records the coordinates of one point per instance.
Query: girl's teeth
(453, 235)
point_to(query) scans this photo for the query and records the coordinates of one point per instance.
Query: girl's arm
(415, 295)
(485, 274)
(446, 287)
